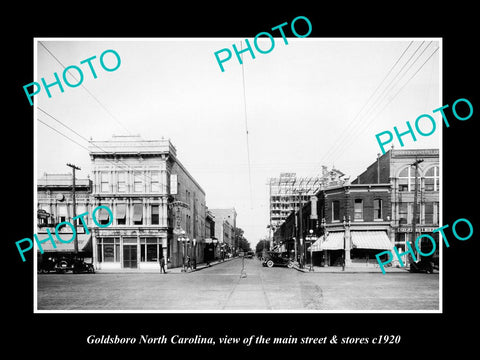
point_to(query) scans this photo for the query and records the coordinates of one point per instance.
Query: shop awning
(377, 240)
(84, 243)
(333, 241)
(137, 212)
(121, 211)
(102, 214)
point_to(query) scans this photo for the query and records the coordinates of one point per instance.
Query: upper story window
(121, 214)
(335, 210)
(122, 182)
(155, 181)
(155, 215)
(406, 179)
(377, 209)
(138, 182)
(137, 214)
(358, 209)
(432, 179)
(104, 181)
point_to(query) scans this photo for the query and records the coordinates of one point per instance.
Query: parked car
(273, 258)
(80, 266)
(46, 265)
(73, 264)
(424, 265)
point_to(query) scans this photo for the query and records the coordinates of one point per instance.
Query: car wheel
(270, 263)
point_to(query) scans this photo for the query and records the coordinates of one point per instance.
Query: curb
(354, 271)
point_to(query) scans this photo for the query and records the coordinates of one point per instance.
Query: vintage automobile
(46, 265)
(75, 264)
(424, 265)
(273, 258)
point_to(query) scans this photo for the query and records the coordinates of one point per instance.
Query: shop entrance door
(130, 256)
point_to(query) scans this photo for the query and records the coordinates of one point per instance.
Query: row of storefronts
(348, 224)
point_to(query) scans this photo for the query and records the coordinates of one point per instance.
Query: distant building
(225, 225)
(288, 191)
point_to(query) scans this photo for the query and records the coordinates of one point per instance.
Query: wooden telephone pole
(74, 203)
(414, 220)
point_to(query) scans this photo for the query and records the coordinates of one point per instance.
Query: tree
(262, 245)
(242, 243)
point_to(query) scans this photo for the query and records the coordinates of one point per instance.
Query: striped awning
(377, 240)
(333, 241)
(84, 243)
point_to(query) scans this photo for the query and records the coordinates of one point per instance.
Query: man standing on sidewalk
(162, 265)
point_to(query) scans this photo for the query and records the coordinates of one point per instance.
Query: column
(348, 246)
(138, 250)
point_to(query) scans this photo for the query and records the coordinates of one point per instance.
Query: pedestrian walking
(162, 265)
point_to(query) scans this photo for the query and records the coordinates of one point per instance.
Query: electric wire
(88, 91)
(126, 166)
(342, 150)
(343, 136)
(246, 127)
(359, 124)
(340, 147)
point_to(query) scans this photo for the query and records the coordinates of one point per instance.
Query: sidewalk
(178, 270)
(352, 269)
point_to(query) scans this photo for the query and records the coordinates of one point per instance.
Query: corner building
(139, 180)
(395, 167)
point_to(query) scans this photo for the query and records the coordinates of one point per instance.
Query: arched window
(432, 179)
(406, 179)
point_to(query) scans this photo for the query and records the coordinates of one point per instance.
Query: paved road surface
(221, 287)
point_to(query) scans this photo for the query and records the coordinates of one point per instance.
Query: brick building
(350, 222)
(395, 167)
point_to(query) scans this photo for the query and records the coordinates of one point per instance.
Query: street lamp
(323, 225)
(184, 239)
(194, 253)
(346, 222)
(311, 238)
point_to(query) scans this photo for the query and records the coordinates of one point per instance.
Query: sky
(310, 103)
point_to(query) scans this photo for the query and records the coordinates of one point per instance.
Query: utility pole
(75, 241)
(300, 230)
(414, 220)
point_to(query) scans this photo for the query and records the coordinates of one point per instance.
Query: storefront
(329, 250)
(52, 254)
(404, 233)
(129, 249)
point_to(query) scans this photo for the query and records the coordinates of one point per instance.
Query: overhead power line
(367, 124)
(126, 166)
(88, 91)
(246, 127)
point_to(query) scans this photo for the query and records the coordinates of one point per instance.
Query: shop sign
(419, 229)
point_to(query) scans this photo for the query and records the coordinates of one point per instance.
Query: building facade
(54, 206)
(356, 226)
(397, 168)
(142, 182)
(225, 225)
(345, 224)
(288, 192)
